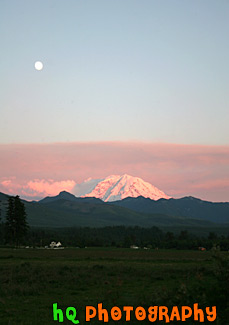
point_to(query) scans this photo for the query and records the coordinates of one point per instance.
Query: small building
(55, 245)
(134, 247)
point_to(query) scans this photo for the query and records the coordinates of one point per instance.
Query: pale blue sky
(141, 70)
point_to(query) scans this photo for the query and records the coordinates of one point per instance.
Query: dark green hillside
(64, 213)
(3, 197)
(65, 210)
(189, 207)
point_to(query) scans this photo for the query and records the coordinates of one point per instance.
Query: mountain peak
(65, 194)
(118, 187)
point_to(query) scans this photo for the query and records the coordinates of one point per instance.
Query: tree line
(122, 236)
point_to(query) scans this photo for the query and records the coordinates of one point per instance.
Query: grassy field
(31, 280)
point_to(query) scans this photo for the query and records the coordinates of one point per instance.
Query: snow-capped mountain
(116, 187)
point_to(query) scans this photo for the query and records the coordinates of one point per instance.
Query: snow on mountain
(116, 187)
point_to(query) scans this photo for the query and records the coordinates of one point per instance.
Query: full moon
(38, 65)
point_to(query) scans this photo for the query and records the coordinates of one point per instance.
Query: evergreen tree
(16, 224)
(1, 225)
(10, 224)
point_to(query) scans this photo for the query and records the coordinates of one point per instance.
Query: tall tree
(16, 223)
(1, 225)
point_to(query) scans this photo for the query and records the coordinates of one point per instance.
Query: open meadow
(33, 279)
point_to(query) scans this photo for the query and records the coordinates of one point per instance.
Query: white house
(55, 245)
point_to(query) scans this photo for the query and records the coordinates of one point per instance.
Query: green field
(31, 280)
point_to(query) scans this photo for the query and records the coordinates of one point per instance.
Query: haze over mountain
(116, 187)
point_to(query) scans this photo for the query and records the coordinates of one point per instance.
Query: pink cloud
(50, 187)
(7, 183)
(38, 188)
(178, 170)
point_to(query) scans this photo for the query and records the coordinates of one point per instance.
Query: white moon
(38, 65)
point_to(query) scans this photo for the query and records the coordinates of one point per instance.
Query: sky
(148, 76)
